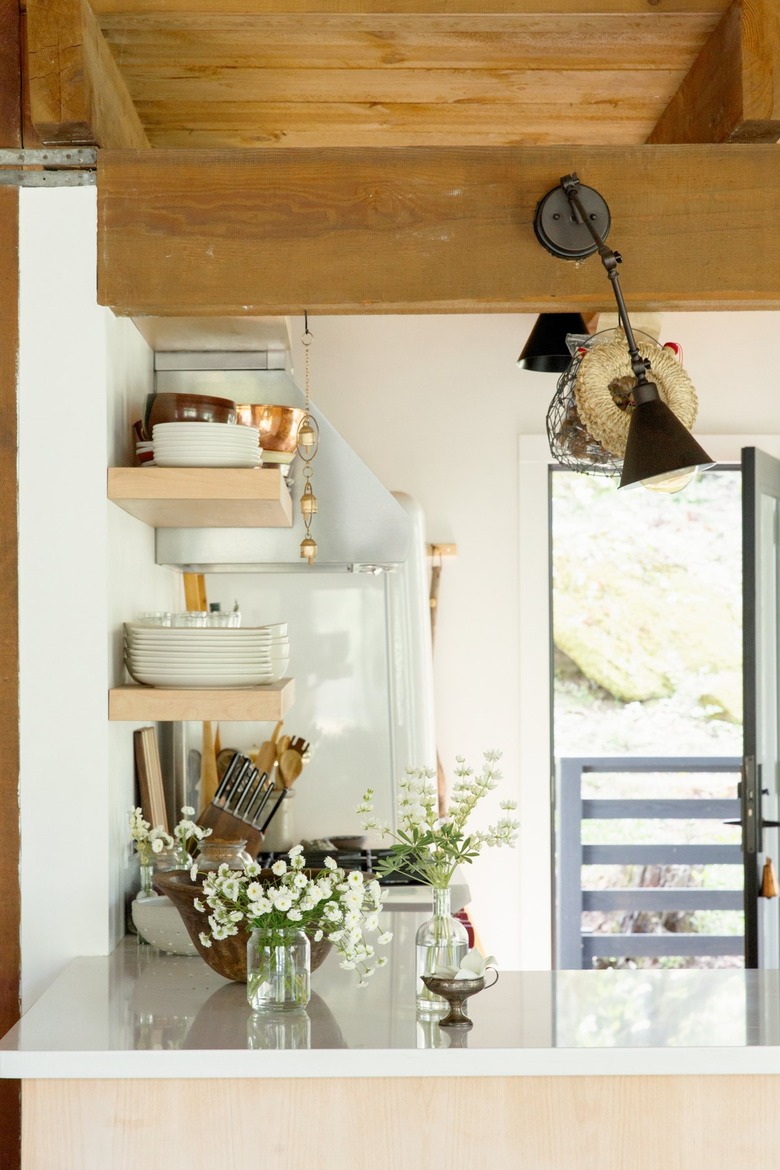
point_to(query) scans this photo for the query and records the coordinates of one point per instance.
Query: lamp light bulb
(671, 482)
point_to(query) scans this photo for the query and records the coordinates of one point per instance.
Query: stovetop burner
(366, 860)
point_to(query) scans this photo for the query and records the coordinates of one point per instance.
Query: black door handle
(764, 824)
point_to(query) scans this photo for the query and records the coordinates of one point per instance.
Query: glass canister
(216, 851)
(278, 970)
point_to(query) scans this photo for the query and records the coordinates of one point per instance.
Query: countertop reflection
(139, 1012)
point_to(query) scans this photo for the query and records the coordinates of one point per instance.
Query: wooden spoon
(290, 767)
(266, 755)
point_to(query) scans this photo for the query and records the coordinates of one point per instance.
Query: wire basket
(588, 419)
(571, 443)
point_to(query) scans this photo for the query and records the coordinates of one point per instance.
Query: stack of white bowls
(197, 657)
(204, 444)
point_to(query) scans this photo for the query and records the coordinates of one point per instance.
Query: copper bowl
(278, 425)
(227, 956)
(168, 407)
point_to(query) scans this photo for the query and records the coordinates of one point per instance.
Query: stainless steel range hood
(360, 526)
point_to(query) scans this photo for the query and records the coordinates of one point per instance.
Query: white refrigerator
(361, 657)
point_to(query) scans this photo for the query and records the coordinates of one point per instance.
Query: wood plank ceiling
(383, 155)
(383, 75)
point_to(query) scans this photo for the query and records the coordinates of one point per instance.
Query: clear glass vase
(442, 941)
(146, 869)
(278, 970)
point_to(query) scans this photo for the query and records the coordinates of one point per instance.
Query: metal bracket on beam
(68, 167)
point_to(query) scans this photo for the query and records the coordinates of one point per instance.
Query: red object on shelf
(463, 916)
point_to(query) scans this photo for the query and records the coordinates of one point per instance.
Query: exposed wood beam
(77, 95)
(425, 7)
(348, 231)
(732, 92)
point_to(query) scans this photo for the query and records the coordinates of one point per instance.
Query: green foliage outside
(647, 619)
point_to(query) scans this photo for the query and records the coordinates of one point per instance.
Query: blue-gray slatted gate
(575, 948)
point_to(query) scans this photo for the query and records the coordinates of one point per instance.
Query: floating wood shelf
(203, 497)
(261, 704)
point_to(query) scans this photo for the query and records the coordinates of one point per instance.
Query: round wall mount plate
(558, 230)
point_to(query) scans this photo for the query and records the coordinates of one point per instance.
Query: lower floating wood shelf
(252, 704)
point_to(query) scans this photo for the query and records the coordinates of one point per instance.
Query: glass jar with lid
(216, 851)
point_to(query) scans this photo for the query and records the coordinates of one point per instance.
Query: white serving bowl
(160, 924)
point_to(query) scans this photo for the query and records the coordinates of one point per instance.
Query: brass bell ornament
(308, 500)
(306, 435)
(307, 443)
(308, 549)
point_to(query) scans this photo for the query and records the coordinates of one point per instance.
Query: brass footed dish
(457, 992)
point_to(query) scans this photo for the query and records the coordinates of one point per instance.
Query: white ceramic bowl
(160, 924)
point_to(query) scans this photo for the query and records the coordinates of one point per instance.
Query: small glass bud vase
(442, 941)
(176, 857)
(146, 859)
(278, 970)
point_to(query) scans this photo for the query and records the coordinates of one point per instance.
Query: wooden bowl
(168, 407)
(226, 956)
(278, 425)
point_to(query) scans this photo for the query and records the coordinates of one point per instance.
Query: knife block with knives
(242, 808)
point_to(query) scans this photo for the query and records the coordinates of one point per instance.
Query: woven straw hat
(605, 378)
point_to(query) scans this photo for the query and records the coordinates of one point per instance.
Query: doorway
(646, 624)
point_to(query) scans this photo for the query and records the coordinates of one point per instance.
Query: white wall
(435, 405)
(82, 563)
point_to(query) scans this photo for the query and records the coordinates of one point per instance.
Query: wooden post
(10, 904)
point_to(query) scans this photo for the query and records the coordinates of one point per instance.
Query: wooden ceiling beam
(188, 233)
(573, 8)
(732, 92)
(77, 95)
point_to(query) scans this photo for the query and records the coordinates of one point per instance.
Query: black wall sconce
(545, 351)
(660, 452)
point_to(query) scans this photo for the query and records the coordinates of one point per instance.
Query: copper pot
(278, 425)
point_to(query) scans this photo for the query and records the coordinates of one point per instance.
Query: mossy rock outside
(641, 635)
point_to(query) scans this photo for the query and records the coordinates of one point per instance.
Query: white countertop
(141, 1013)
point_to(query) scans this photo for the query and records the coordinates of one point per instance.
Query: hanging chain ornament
(308, 440)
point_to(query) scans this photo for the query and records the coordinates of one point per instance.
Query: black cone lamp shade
(546, 351)
(659, 449)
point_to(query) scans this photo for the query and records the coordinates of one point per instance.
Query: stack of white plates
(203, 444)
(178, 656)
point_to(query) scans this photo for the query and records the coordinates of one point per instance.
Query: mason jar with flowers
(428, 847)
(283, 910)
(157, 849)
